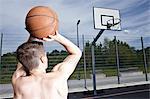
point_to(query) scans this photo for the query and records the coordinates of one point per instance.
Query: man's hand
(52, 37)
(31, 38)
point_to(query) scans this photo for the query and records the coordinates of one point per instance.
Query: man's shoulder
(20, 85)
(54, 76)
(21, 80)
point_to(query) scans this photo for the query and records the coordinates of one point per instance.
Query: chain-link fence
(115, 61)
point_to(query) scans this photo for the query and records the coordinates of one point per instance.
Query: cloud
(134, 16)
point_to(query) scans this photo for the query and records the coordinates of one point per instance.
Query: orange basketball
(41, 21)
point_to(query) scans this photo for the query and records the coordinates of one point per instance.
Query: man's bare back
(42, 85)
(46, 86)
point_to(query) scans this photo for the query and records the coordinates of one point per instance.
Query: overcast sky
(135, 20)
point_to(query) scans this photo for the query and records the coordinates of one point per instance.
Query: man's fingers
(56, 32)
(47, 39)
(52, 37)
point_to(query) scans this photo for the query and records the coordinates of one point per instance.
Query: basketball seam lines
(37, 15)
(39, 28)
(41, 15)
(44, 26)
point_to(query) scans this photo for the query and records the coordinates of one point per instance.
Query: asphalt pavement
(132, 92)
(79, 85)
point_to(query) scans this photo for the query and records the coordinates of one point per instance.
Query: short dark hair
(29, 54)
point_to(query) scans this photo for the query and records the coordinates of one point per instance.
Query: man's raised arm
(67, 67)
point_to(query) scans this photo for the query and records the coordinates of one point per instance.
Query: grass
(110, 72)
(80, 73)
(142, 69)
(6, 78)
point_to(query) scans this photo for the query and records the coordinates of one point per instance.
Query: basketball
(41, 21)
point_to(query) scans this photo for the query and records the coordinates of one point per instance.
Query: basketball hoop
(113, 22)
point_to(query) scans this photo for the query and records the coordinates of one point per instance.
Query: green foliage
(105, 60)
(7, 67)
(110, 71)
(105, 56)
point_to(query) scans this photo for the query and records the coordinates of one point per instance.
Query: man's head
(31, 55)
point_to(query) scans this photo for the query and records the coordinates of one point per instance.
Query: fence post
(1, 49)
(1, 53)
(85, 84)
(93, 70)
(117, 60)
(144, 58)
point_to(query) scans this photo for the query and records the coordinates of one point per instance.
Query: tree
(88, 56)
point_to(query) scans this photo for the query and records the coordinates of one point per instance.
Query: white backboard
(103, 17)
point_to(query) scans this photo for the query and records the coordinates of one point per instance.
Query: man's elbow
(79, 53)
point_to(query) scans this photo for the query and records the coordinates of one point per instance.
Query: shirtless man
(30, 80)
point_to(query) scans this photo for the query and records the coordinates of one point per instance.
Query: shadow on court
(134, 92)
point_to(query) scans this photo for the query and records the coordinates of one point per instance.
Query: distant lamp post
(78, 33)
(78, 46)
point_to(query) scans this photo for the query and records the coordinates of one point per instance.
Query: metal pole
(117, 60)
(93, 60)
(1, 49)
(93, 70)
(78, 33)
(85, 84)
(96, 38)
(144, 58)
(1, 52)
(78, 46)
